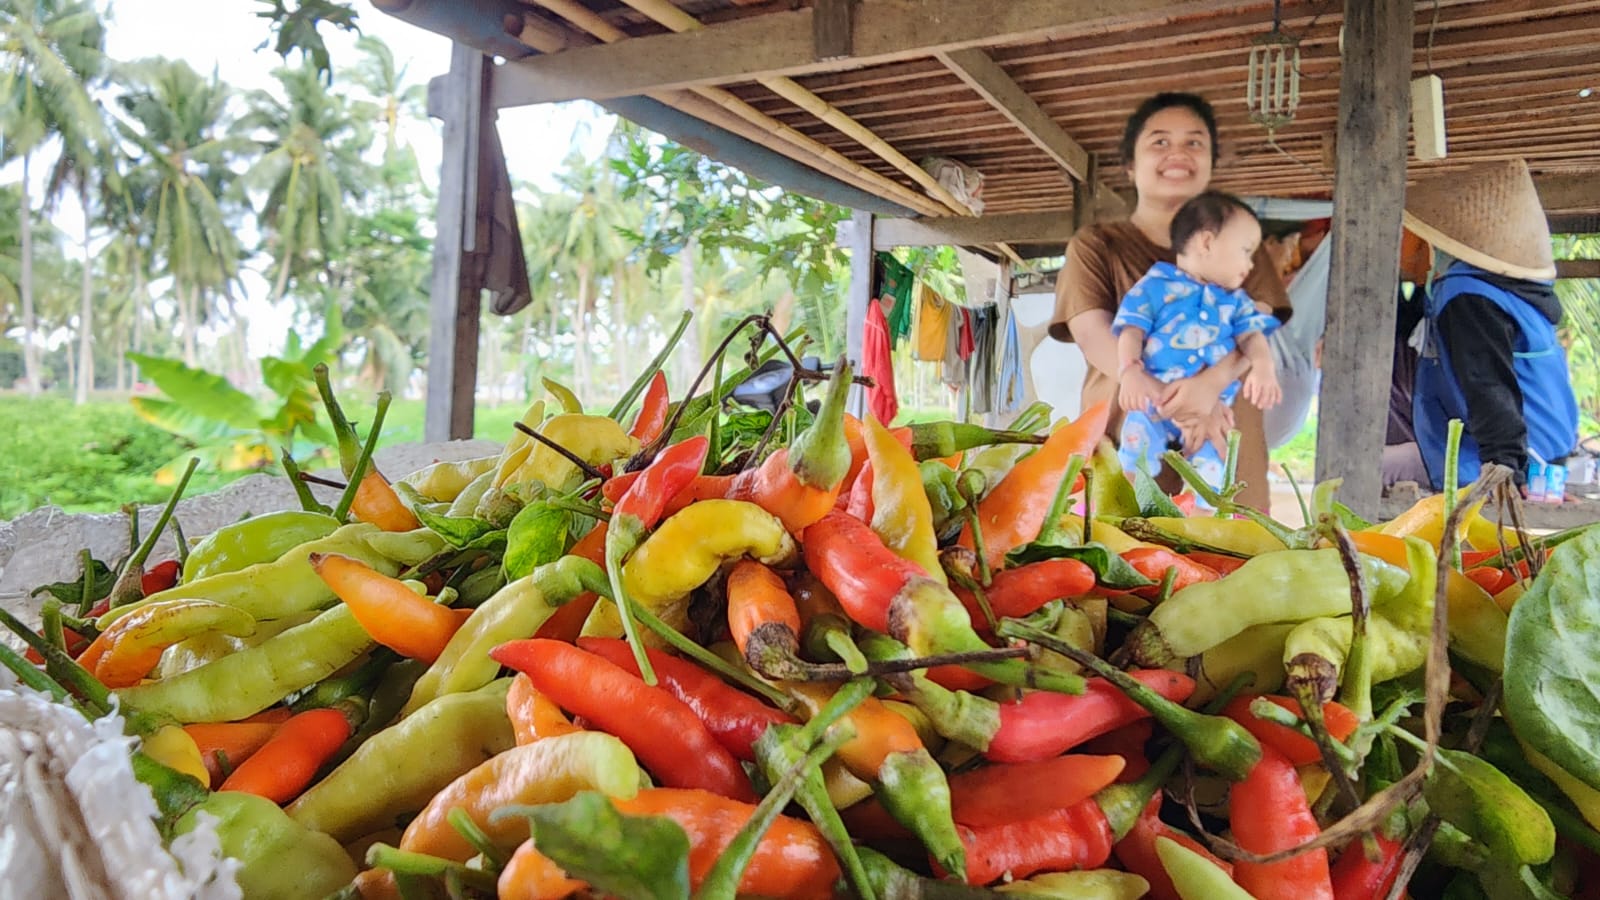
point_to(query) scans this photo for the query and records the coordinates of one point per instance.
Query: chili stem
(583, 466)
(63, 668)
(625, 402)
(358, 471)
(714, 429)
(494, 858)
(181, 542)
(677, 413)
(968, 488)
(126, 588)
(1088, 506)
(29, 674)
(1356, 685)
(962, 579)
(1300, 498)
(297, 478)
(1061, 503)
(1452, 478)
(86, 599)
(710, 660)
(1268, 711)
(618, 547)
(407, 862)
(1192, 478)
(1230, 469)
(343, 431)
(50, 624)
(309, 478)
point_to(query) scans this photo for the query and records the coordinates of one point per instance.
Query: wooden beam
(456, 294)
(830, 28)
(1578, 268)
(984, 75)
(1358, 343)
(776, 44)
(1574, 192)
(1046, 227)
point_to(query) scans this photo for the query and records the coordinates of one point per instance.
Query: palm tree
(592, 244)
(50, 51)
(178, 122)
(309, 165)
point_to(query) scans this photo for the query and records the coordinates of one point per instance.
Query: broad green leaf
(1479, 799)
(200, 392)
(538, 535)
(1552, 663)
(70, 593)
(1110, 570)
(170, 416)
(1152, 500)
(638, 857)
(458, 531)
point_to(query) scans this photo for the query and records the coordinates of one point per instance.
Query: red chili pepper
(1491, 579)
(958, 678)
(1013, 593)
(1357, 878)
(652, 410)
(1128, 742)
(234, 742)
(614, 487)
(1299, 749)
(856, 439)
(1268, 812)
(733, 717)
(287, 762)
(1153, 563)
(1078, 837)
(159, 577)
(860, 502)
(1137, 852)
(1221, 563)
(672, 470)
(1044, 724)
(661, 730)
(702, 487)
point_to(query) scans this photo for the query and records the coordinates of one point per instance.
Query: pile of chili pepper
(678, 649)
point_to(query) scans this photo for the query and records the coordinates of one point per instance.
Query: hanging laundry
(933, 321)
(985, 321)
(877, 364)
(965, 344)
(953, 370)
(1009, 388)
(892, 284)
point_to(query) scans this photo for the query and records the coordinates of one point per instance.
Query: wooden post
(1369, 194)
(859, 243)
(457, 98)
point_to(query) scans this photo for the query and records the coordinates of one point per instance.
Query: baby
(1180, 319)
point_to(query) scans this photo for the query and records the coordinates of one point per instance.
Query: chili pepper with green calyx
(956, 715)
(400, 768)
(1287, 586)
(1268, 812)
(408, 548)
(887, 753)
(132, 646)
(765, 622)
(936, 440)
(663, 731)
(1217, 743)
(800, 483)
(1237, 537)
(248, 682)
(944, 497)
(1041, 724)
(1022, 590)
(636, 513)
(885, 593)
(387, 697)
(736, 719)
(128, 586)
(1315, 653)
(515, 611)
(258, 539)
(653, 408)
(684, 552)
(901, 514)
(1155, 562)
(279, 858)
(1013, 512)
(1477, 625)
(356, 683)
(276, 589)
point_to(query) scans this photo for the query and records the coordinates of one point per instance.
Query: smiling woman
(1169, 148)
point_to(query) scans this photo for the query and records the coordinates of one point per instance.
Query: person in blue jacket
(1490, 354)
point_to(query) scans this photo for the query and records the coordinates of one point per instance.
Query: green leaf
(191, 426)
(1479, 799)
(538, 535)
(71, 592)
(1349, 519)
(1110, 570)
(1552, 662)
(458, 531)
(638, 857)
(1153, 501)
(200, 392)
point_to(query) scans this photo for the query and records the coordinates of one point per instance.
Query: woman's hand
(1210, 429)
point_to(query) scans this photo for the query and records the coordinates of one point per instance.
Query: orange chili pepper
(533, 715)
(1153, 563)
(232, 742)
(376, 502)
(857, 442)
(566, 623)
(762, 616)
(530, 875)
(1221, 563)
(284, 766)
(396, 616)
(1299, 749)
(1013, 513)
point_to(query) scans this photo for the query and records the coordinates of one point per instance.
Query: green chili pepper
(246, 683)
(258, 539)
(992, 463)
(1315, 653)
(563, 394)
(393, 688)
(939, 483)
(443, 482)
(192, 653)
(466, 502)
(400, 769)
(516, 611)
(275, 589)
(408, 548)
(936, 440)
(1194, 876)
(1086, 884)
(1286, 586)
(279, 857)
(956, 715)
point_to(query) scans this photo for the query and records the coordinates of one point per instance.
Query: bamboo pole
(665, 13)
(757, 125)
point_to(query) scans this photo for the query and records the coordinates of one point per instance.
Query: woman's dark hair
(1208, 212)
(1167, 100)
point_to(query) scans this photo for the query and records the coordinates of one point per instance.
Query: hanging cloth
(953, 371)
(1008, 387)
(964, 342)
(893, 289)
(877, 364)
(985, 320)
(933, 321)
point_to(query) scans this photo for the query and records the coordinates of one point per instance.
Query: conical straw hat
(1487, 216)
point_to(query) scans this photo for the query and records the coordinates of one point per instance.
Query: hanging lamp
(1272, 88)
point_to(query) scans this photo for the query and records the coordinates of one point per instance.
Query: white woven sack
(75, 823)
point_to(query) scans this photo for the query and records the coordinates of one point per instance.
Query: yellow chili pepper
(685, 551)
(564, 395)
(1584, 797)
(901, 514)
(596, 440)
(1477, 625)
(135, 642)
(547, 771)
(442, 482)
(1509, 597)
(171, 746)
(1240, 536)
(1115, 539)
(518, 445)
(1425, 519)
